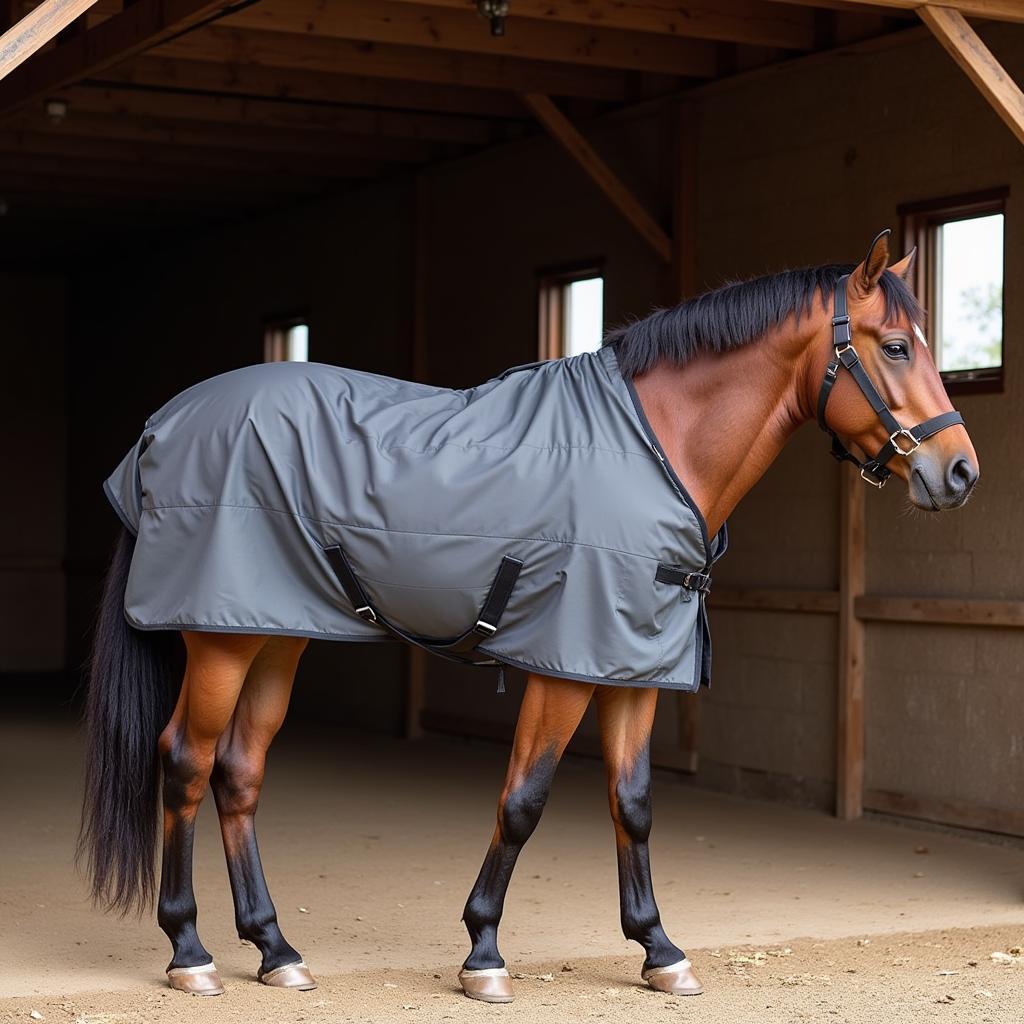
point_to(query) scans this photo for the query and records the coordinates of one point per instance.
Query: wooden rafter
(565, 133)
(36, 29)
(733, 21)
(137, 27)
(300, 85)
(229, 111)
(237, 47)
(384, 21)
(962, 43)
(999, 10)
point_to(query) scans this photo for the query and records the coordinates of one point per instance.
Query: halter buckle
(874, 481)
(915, 442)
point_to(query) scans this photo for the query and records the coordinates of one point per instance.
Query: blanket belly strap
(463, 647)
(698, 581)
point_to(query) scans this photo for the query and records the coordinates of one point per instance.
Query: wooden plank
(139, 26)
(232, 110)
(570, 139)
(850, 697)
(36, 29)
(235, 47)
(384, 21)
(1004, 820)
(1000, 10)
(735, 21)
(298, 84)
(940, 611)
(962, 43)
(765, 599)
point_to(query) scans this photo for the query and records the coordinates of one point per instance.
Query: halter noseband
(844, 354)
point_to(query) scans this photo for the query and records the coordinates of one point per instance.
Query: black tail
(133, 683)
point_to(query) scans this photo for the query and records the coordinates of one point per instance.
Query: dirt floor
(372, 845)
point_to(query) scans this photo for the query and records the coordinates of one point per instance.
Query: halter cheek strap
(902, 440)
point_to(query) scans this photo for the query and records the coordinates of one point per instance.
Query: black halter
(844, 354)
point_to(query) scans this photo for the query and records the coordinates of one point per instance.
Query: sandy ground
(372, 845)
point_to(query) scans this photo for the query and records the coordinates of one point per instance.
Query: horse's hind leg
(550, 712)
(626, 716)
(214, 674)
(236, 782)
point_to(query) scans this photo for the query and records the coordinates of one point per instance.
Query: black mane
(737, 314)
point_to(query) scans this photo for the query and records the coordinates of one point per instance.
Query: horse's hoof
(490, 985)
(290, 976)
(677, 979)
(197, 981)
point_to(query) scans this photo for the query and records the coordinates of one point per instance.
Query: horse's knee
(187, 769)
(632, 805)
(522, 806)
(237, 781)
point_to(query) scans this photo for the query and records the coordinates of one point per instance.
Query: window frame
(919, 220)
(551, 288)
(275, 329)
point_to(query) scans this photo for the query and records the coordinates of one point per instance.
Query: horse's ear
(905, 266)
(867, 275)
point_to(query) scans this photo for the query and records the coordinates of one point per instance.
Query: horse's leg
(626, 716)
(236, 782)
(214, 674)
(550, 712)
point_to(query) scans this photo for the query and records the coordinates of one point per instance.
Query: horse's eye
(896, 350)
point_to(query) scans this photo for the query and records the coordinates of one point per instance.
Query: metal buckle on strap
(367, 613)
(915, 441)
(867, 477)
(485, 628)
(703, 582)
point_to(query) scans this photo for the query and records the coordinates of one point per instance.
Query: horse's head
(907, 427)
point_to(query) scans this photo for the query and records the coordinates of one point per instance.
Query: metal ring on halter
(906, 433)
(844, 349)
(867, 478)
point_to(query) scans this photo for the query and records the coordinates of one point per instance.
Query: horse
(721, 382)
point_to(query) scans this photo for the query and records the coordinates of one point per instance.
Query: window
(571, 312)
(286, 340)
(959, 278)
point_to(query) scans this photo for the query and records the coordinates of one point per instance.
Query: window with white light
(571, 313)
(959, 278)
(286, 341)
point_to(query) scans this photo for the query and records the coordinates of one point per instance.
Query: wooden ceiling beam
(230, 111)
(210, 146)
(962, 43)
(139, 26)
(238, 48)
(199, 135)
(998, 10)
(36, 29)
(384, 21)
(734, 21)
(298, 84)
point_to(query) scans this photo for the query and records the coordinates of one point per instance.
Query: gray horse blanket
(243, 489)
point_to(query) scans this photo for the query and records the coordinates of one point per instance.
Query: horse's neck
(722, 419)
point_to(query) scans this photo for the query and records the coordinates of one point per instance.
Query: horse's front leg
(214, 674)
(626, 716)
(550, 712)
(236, 782)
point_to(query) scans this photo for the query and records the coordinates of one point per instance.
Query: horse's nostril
(961, 475)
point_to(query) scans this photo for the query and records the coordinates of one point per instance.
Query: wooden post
(979, 64)
(569, 138)
(850, 726)
(36, 29)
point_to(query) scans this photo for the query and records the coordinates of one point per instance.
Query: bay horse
(724, 380)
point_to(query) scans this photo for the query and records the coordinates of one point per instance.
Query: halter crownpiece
(902, 440)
